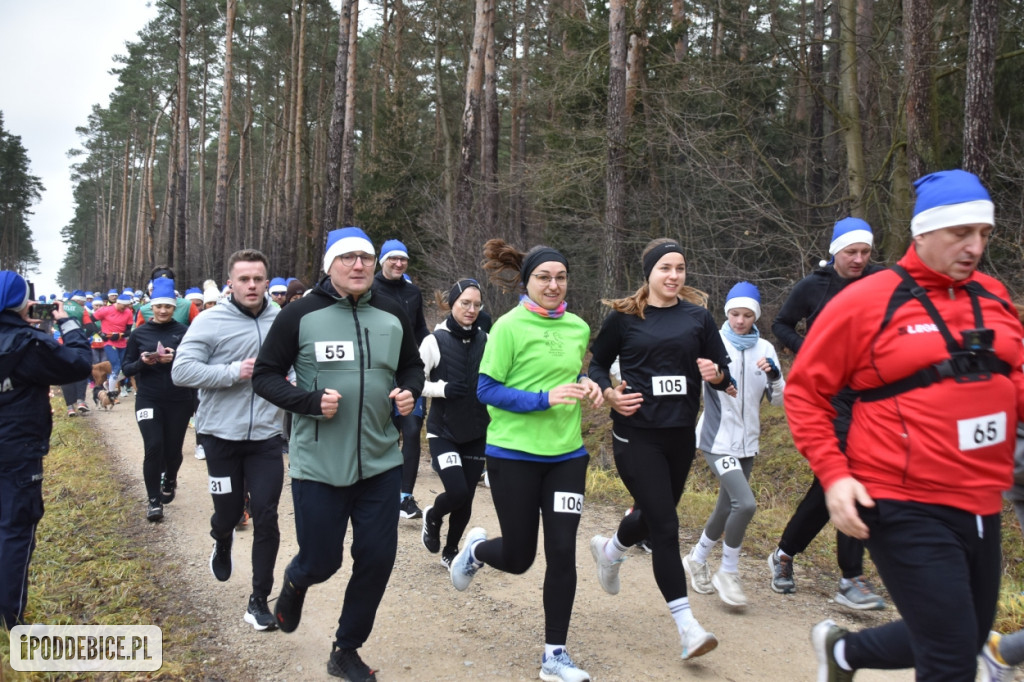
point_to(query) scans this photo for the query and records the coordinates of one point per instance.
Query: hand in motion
(455, 389)
(246, 369)
(842, 500)
(709, 371)
(403, 400)
(593, 391)
(771, 370)
(329, 402)
(567, 394)
(624, 403)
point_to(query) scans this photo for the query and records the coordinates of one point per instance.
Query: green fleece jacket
(362, 349)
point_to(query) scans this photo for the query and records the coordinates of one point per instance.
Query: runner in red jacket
(935, 350)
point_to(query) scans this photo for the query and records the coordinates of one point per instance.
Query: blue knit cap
(744, 295)
(163, 292)
(192, 293)
(345, 240)
(13, 291)
(393, 247)
(950, 198)
(125, 297)
(846, 232)
(278, 285)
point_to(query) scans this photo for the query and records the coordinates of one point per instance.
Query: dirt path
(426, 630)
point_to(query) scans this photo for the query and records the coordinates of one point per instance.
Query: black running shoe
(345, 663)
(409, 509)
(288, 609)
(448, 555)
(258, 615)
(431, 532)
(221, 563)
(167, 489)
(154, 511)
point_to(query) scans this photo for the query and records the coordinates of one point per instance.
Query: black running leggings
(257, 467)
(163, 425)
(522, 492)
(460, 465)
(653, 464)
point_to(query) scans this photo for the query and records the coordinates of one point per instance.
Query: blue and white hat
(278, 285)
(346, 240)
(112, 292)
(846, 232)
(13, 291)
(193, 294)
(163, 292)
(125, 297)
(950, 198)
(393, 247)
(78, 296)
(744, 295)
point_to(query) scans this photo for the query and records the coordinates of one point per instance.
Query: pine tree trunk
(220, 200)
(917, 52)
(615, 178)
(471, 113)
(348, 156)
(981, 67)
(336, 134)
(181, 208)
(850, 107)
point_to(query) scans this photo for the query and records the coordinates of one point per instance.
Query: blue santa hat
(278, 285)
(125, 297)
(950, 198)
(163, 292)
(66, 296)
(346, 240)
(393, 247)
(112, 292)
(744, 295)
(13, 291)
(78, 295)
(192, 294)
(846, 232)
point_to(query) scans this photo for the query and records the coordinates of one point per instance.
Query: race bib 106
(980, 432)
(670, 385)
(568, 503)
(334, 351)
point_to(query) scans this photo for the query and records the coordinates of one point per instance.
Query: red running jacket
(948, 443)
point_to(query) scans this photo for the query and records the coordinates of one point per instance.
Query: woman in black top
(457, 421)
(667, 344)
(162, 409)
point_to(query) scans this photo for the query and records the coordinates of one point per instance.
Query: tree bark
(348, 156)
(615, 178)
(981, 67)
(181, 207)
(336, 134)
(850, 106)
(917, 51)
(220, 200)
(471, 113)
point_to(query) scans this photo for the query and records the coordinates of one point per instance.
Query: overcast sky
(55, 62)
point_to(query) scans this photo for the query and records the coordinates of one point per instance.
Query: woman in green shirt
(530, 381)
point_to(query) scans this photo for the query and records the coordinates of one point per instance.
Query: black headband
(535, 258)
(459, 287)
(652, 257)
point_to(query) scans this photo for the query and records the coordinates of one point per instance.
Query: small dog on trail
(100, 395)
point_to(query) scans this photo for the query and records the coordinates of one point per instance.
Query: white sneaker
(729, 589)
(697, 641)
(560, 668)
(607, 570)
(700, 574)
(989, 668)
(200, 452)
(464, 567)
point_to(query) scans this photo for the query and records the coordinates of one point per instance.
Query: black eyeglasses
(349, 259)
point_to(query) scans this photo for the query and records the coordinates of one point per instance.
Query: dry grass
(90, 567)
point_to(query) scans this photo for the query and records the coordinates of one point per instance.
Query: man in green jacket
(353, 353)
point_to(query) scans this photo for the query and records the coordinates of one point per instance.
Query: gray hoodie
(210, 359)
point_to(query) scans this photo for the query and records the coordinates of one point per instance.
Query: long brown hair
(636, 303)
